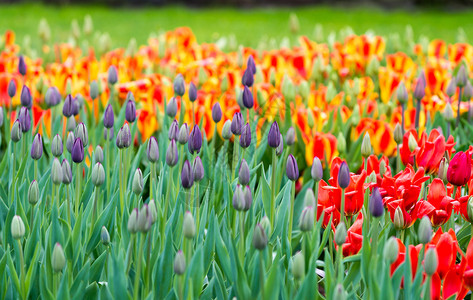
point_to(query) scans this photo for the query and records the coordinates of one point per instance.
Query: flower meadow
(337, 169)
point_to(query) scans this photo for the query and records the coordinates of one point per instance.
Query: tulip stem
(129, 255)
(165, 212)
(427, 287)
(418, 106)
(242, 238)
(151, 179)
(77, 189)
(273, 189)
(68, 200)
(342, 208)
(22, 270)
(138, 268)
(197, 207)
(122, 190)
(374, 242)
(261, 273)
(92, 223)
(402, 118)
(234, 159)
(340, 270)
(459, 102)
(180, 292)
(291, 215)
(398, 159)
(35, 170)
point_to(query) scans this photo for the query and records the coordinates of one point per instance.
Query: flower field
(336, 169)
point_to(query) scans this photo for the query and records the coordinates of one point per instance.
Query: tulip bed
(332, 170)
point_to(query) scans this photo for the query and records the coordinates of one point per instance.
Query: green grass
(248, 25)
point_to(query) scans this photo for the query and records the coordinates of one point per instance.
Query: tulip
(431, 261)
(183, 135)
(292, 171)
(16, 132)
(376, 203)
(77, 152)
(216, 112)
(104, 236)
(17, 228)
(67, 108)
(94, 90)
(58, 260)
(340, 234)
(462, 76)
(341, 143)
(451, 87)
(192, 92)
(247, 98)
(98, 174)
(11, 88)
(244, 173)
(274, 135)
(112, 75)
(398, 136)
(248, 78)
(173, 132)
(306, 222)
(425, 230)
(237, 123)
(188, 226)
(81, 133)
(98, 154)
(317, 171)
(250, 64)
(180, 263)
(290, 136)
(52, 97)
(21, 65)
(144, 221)
(179, 85)
(280, 148)
(25, 119)
(138, 184)
(198, 169)
(66, 172)
(187, 175)
(33, 192)
(366, 148)
(238, 200)
(260, 240)
(172, 155)
(152, 150)
(130, 111)
(226, 130)
(391, 249)
(56, 172)
(459, 169)
(343, 175)
(25, 97)
(195, 140)
(76, 105)
(133, 221)
(37, 147)
(245, 138)
(402, 95)
(124, 137)
(108, 117)
(171, 108)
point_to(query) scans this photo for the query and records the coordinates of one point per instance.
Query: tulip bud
(188, 226)
(183, 135)
(172, 155)
(238, 200)
(112, 75)
(237, 123)
(108, 117)
(56, 172)
(317, 171)
(179, 85)
(340, 234)
(77, 152)
(366, 146)
(462, 76)
(153, 210)
(341, 143)
(25, 97)
(98, 174)
(398, 218)
(21, 65)
(70, 141)
(244, 173)
(17, 228)
(419, 91)
(431, 261)
(25, 119)
(195, 140)
(138, 183)
(52, 97)
(187, 175)
(192, 92)
(144, 221)
(124, 137)
(260, 239)
(425, 230)
(274, 136)
(180, 263)
(173, 132)
(94, 90)
(306, 222)
(376, 203)
(16, 132)
(247, 97)
(448, 113)
(245, 138)
(412, 143)
(398, 134)
(280, 148)
(216, 112)
(58, 260)
(459, 169)
(226, 130)
(339, 293)
(12, 88)
(382, 168)
(33, 192)
(290, 136)
(133, 221)
(309, 198)
(198, 169)
(152, 150)
(37, 147)
(247, 79)
(451, 87)
(391, 249)
(298, 265)
(310, 119)
(81, 133)
(104, 236)
(57, 146)
(372, 178)
(292, 170)
(171, 107)
(98, 154)
(130, 111)
(402, 95)
(66, 172)
(67, 109)
(344, 175)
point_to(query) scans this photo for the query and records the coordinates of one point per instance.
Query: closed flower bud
(112, 75)
(398, 134)
(425, 230)
(180, 263)
(71, 124)
(124, 137)
(292, 170)
(376, 203)
(183, 135)
(56, 172)
(153, 210)
(66, 172)
(21, 65)
(382, 168)
(133, 221)
(94, 90)
(244, 173)
(17, 228)
(431, 261)
(245, 137)
(67, 108)
(188, 225)
(412, 143)
(144, 221)
(247, 79)
(366, 146)
(198, 169)
(57, 146)
(12, 88)
(81, 132)
(152, 150)
(25, 97)
(459, 169)
(238, 200)
(138, 183)
(98, 154)
(237, 123)
(280, 148)
(250, 64)
(341, 234)
(216, 112)
(398, 219)
(317, 171)
(341, 143)
(451, 87)
(16, 132)
(247, 98)
(462, 76)
(468, 91)
(52, 97)
(25, 119)
(179, 85)
(104, 236)
(309, 198)
(372, 178)
(130, 111)
(37, 147)
(58, 260)
(192, 92)
(290, 136)
(248, 198)
(274, 136)
(98, 174)
(344, 175)
(448, 113)
(76, 106)
(339, 293)
(306, 222)
(226, 130)
(173, 132)
(260, 239)
(77, 153)
(108, 117)
(171, 107)
(402, 95)
(419, 91)
(172, 155)
(70, 141)
(195, 140)
(187, 175)
(391, 249)
(33, 192)
(266, 224)
(298, 265)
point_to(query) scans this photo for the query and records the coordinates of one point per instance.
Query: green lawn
(249, 26)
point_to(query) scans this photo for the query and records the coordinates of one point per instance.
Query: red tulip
(438, 206)
(459, 169)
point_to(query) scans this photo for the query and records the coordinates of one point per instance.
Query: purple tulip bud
(237, 123)
(172, 155)
(77, 152)
(70, 141)
(130, 112)
(195, 140)
(81, 132)
(419, 91)
(248, 101)
(124, 137)
(52, 97)
(290, 136)
(248, 197)
(292, 170)
(112, 75)
(67, 109)
(462, 76)
(260, 239)
(37, 147)
(108, 117)
(16, 132)
(238, 200)
(179, 85)
(343, 175)
(250, 64)
(57, 146)
(376, 203)
(274, 136)
(216, 112)
(247, 78)
(245, 138)
(173, 132)
(183, 135)
(451, 87)
(192, 92)
(187, 175)
(66, 172)
(317, 172)
(22, 65)
(153, 150)
(280, 148)
(198, 169)
(25, 119)
(75, 106)
(171, 107)
(25, 97)
(12, 88)
(244, 173)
